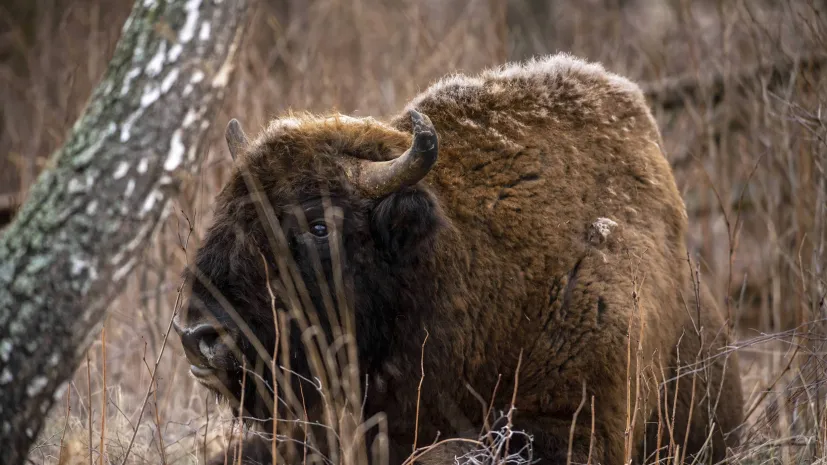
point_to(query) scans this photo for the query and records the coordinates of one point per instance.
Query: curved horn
(380, 178)
(236, 139)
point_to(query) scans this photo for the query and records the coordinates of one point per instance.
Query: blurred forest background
(738, 88)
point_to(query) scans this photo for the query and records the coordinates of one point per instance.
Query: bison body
(532, 220)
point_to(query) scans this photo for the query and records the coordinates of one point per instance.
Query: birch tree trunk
(93, 211)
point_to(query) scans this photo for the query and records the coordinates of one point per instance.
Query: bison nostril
(200, 341)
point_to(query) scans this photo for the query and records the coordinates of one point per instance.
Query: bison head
(323, 221)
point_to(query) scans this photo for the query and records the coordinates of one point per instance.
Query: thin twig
(206, 424)
(175, 309)
(574, 423)
(273, 359)
(304, 426)
(591, 436)
(419, 389)
(157, 414)
(486, 425)
(65, 422)
(241, 408)
(513, 402)
(89, 386)
(103, 394)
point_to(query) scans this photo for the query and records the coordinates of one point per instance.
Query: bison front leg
(550, 442)
(254, 451)
(535, 440)
(445, 453)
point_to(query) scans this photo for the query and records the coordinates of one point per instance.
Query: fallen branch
(674, 93)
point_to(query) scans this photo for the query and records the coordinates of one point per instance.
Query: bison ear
(405, 224)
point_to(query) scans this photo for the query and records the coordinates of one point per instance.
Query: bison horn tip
(380, 178)
(425, 141)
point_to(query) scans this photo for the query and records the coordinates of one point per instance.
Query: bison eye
(319, 228)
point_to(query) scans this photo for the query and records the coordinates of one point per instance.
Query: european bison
(524, 215)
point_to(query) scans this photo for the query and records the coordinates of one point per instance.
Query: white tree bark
(93, 211)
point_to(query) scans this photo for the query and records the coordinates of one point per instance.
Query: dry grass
(749, 155)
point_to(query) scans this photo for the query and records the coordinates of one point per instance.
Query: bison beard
(550, 233)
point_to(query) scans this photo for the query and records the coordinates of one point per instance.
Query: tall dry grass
(749, 150)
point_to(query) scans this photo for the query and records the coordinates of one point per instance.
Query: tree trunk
(92, 212)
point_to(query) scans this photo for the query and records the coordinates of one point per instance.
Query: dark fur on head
(387, 244)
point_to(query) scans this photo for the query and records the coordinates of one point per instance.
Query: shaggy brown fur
(550, 227)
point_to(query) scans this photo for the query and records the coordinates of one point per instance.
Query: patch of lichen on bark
(78, 152)
(130, 52)
(50, 203)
